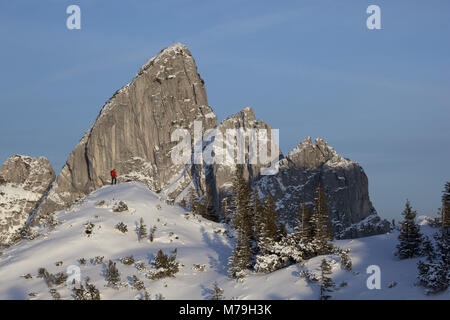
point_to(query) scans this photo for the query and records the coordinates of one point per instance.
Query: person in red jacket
(113, 176)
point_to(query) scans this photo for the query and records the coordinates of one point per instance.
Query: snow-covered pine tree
(270, 229)
(138, 284)
(142, 230)
(326, 283)
(217, 292)
(427, 249)
(257, 213)
(434, 274)
(165, 266)
(227, 208)
(241, 257)
(92, 292)
(410, 237)
(307, 231)
(193, 201)
(79, 293)
(320, 222)
(112, 274)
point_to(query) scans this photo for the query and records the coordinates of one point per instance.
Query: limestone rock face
(222, 173)
(133, 131)
(23, 181)
(343, 181)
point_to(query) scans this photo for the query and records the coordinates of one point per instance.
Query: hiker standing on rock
(113, 176)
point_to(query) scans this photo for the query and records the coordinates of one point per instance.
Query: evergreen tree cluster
(434, 272)
(90, 292)
(264, 245)
(204, 207)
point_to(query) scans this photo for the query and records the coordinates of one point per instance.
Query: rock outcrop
(343, 181)
(220, 175)
(133, 131)
(23, 182)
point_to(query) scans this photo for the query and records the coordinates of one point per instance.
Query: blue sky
(309, 68)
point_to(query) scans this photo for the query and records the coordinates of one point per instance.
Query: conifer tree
(193, 201)
(257, 213)
(227, 208)
(112, 274)
(241, 256)
(434, 274)
(307, 231)
(410, 237)
(326, 283)
(270, 229)
(142, 230)
(427, 249)
(320, 222)
(242, 224)
(217, 293)
(92, 292)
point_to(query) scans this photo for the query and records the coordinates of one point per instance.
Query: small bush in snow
(89, 229)
(199, 267)
(100, 203)
(138, 284)
(97, 260)
(122, 227)
(309, 276)
(165, 266)
(151, 237)
(60, 278)
(88, 293)
(346, 261)
(120, 206)
(82, 261)
(92, 292)
(142, 230)
(55, 294)
(269, 263)
(127, 260)
(140, 266)
(217, 292)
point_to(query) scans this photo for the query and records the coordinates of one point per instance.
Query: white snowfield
(199, 242)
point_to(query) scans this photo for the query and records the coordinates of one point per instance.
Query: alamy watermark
(74, 274)
(73, 22)
(235, 146)
(373, 22)
(374, 281)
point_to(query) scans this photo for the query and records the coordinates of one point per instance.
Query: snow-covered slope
(199, 242)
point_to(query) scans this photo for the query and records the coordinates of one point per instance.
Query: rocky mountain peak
(133, 131)
(23, 181)
(311, 156)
